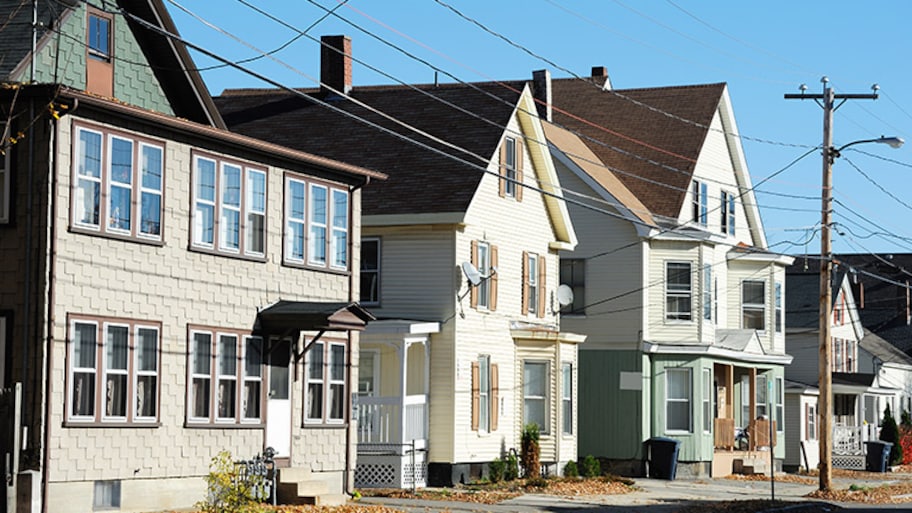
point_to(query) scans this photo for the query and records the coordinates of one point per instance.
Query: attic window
(699, 193)
(99, 37)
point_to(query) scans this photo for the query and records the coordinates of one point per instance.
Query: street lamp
(827, 101)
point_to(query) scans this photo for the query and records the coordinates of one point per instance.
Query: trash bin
(877, 455)
(662, 454)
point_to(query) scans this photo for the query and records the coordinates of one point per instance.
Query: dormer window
(699, 197)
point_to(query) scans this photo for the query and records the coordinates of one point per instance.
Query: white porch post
(403, 388)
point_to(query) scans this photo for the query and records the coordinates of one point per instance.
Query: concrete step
(294, 474)
(298, 486)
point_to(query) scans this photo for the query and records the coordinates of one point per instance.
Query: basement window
(107, 495)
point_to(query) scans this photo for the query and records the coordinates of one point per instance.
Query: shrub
(591, 467)
(905, 441)
(511, 472)
(905, 418)
(537, 482)
(570, 469)
(530, 451)
(889, 432)
(496, 470)
(226, 489)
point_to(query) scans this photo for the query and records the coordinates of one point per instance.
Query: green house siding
(610, 419)
(62, 59)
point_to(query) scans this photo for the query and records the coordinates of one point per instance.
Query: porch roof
(285, 317)
(859, 383)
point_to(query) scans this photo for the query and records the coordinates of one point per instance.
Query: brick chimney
(600, 75)
(541, 91)
(335, 64)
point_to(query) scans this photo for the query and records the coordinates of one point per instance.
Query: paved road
(655, 496)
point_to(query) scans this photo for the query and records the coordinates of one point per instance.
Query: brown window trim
(98, 419)
(102, 229)
(213, 421)
(304, 262)
(92, 11)
(215, 248)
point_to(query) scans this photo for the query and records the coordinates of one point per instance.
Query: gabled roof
(420, 181)
(649, 139)
(802, 297)
(169, 60)
(883, 350)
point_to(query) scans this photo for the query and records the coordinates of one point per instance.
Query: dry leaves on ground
(781, 478)
(752, 506)
(891, 493)
(578, 487)
(446, 494)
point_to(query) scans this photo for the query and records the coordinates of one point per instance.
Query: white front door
(278, 404)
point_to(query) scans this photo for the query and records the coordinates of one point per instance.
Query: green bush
(906, 418)
(226, 491)
(511, 472)
(889, 432)
(497, 470)
(591, 467)
(570, 469)
(530, 451)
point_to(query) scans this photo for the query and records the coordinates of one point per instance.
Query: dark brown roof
(650, 141)
(420, 180)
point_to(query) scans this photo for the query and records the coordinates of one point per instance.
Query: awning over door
(287, 317)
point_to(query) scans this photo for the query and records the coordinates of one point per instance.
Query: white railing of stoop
(381, 419)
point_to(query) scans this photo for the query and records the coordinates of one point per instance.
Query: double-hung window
(678, 291)
(534, 276)
(510, 167)
(573, 274)
(229, 213)
(699, 201)
(226, 377)
(779, 317)
(326, 378)
(811, 421)
(99, 43)
(484, 392)
(761, 395)
(707, 401)
(113, 370)
(707, 292)
(567, 398)
(780, 404)
(678, 393)
(317, 224)
(727, 211)
(118, 185)
(753, 305)
(535, 394)
(511, 153)
(370, 271)
(484, 258)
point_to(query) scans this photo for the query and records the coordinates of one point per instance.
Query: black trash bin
(662, 455)
(877, 455)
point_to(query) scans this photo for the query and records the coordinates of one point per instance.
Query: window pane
(200, 394)
(202, 353)
(337, 363)
(84, 346)
(83, 394)
(87, 201)
(253, 358)
(146, 396)
(152, 168)
(226, 398)
(121, 161)
(318, 220)
(315, 355)
(227, 355)
(678, 276)
(252, 399)
(534, 412)
(90, 151)
(315, 400)
(296, 200)
(318, 205)
(753, 292)
(205, 180)
(678, 384)
(256, 191)
(337, 401)
(340, 209)
(120, 209)
(147, 349)
(534, 379)
(117, 347)
(679, 416)
(116, 395)
(231, 185)
(230, 229)
(317, 244)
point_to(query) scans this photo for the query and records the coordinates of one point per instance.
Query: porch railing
(724, 433)
(848, 440)
(759, 431)
(391, 420)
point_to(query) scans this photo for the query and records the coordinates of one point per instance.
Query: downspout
(351, 299)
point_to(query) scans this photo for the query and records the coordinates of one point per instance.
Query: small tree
(529, 451)
(905, 418)
(497, 470)
(227, 489)
(511, 472)
(570, 469)
(591, 467)
(889, 432)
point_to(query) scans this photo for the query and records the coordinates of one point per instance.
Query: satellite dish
(471, 273)
(564, 295)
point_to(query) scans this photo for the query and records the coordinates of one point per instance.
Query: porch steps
(298, 486)
(751, 466)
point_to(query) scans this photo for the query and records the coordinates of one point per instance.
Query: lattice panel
(420, 475)
(849, 462)
(375, 476)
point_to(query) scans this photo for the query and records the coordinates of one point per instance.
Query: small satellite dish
(471, 273)
(564, 295)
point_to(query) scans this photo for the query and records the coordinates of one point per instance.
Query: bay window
(678, 291)
(678, 393)
(753, 305)
(535, 395)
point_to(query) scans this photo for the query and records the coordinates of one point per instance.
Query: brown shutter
(542, 288)
(525, 283)
(519, 170)
(492, 304)
(475, 395)
(473, 290)
(502, 170)
(495, 392)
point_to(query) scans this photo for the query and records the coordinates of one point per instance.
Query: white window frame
(527, 396)
(688, 399)
(231, 377)
(326, 381)
(762, 396)
(811, 421)
(255, 212)
(779, 391)
(707, 293)
(370, 277)
(534, 289)
(295, 220)
(510, 172)
(105, 184)
(313, 225)
(334, 381)
(754, 307)
(223, 206)
(779, 318)
(699, 193)
(214, 376)
(679, 292)
(100, 371)
(484, 267)
(338, 234)
(315, 374)
(484, 392)
(727, 210)
(567, 398)
(707, 401)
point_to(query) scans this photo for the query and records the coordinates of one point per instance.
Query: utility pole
(827, 101)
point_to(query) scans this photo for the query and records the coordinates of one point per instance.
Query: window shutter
(492, 304)
(525, 282)
(519, 170)
(495, 393)
(473, 290)
(542, 288)
(476, 396)
(502, 170)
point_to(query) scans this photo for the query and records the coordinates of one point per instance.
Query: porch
(391, 406)
(741, 447)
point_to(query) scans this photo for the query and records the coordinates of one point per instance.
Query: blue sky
(761, 49)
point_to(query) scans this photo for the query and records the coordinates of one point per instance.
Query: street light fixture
(827, 101)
